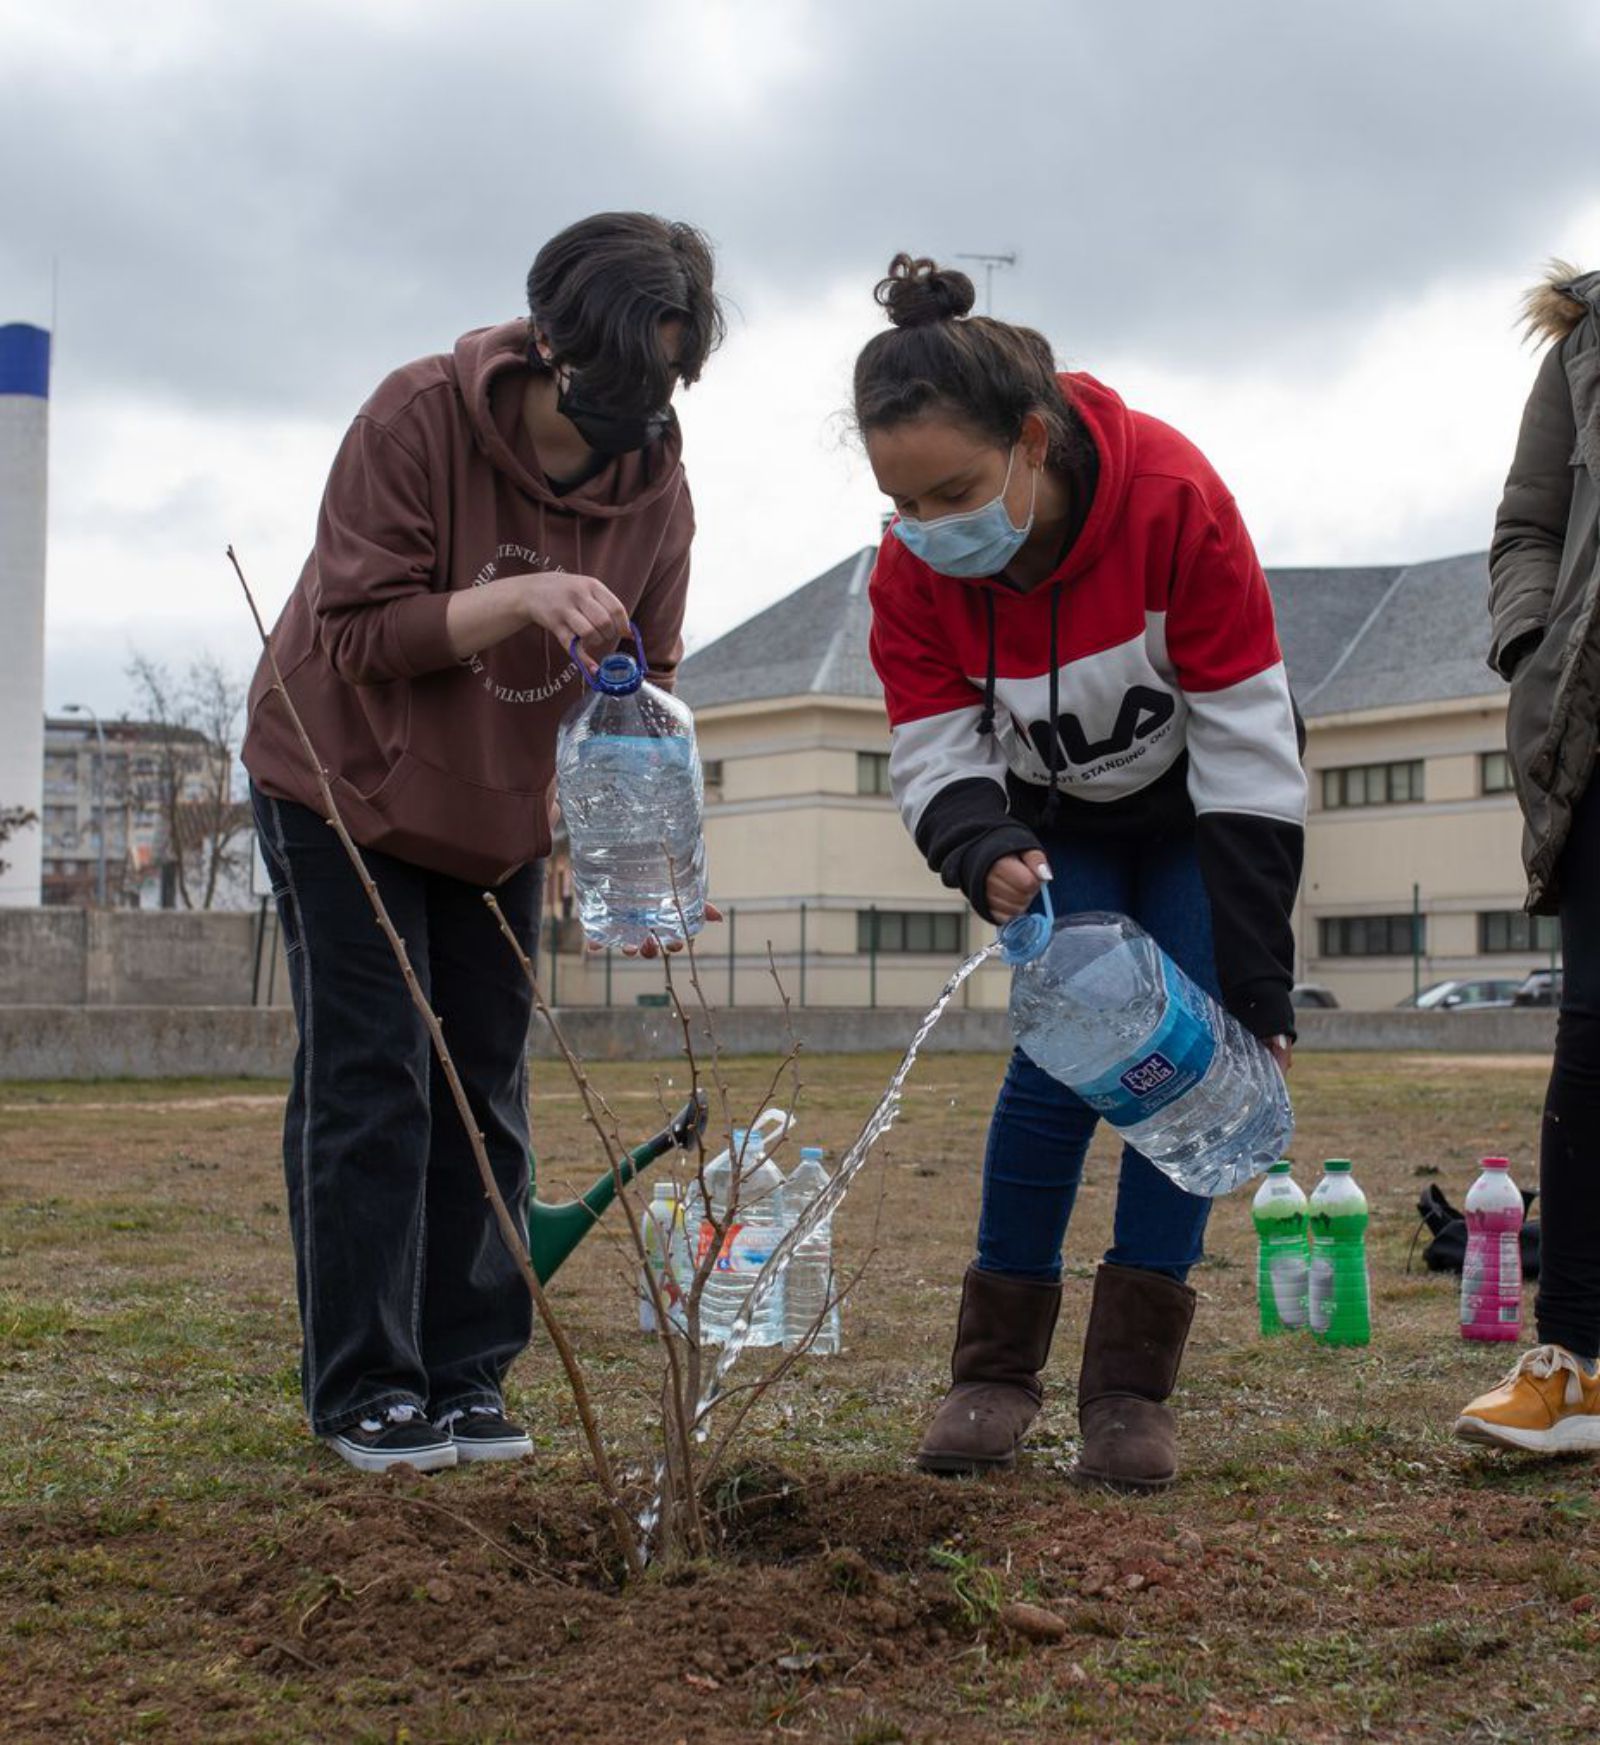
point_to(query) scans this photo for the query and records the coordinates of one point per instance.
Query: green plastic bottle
(1282, 1270)
(1341, 1290)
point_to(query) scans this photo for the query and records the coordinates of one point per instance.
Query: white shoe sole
(1579, 1434)
(435, 1459)
(506, 1448)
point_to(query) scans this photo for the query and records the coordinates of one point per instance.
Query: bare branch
(758, 1389)
(627, 1539)
(611, 1143)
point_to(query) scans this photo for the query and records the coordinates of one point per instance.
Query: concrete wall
(90, 1042)
(134, 957)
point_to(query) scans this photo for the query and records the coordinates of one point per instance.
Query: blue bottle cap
(619, 675)
(1026, 937)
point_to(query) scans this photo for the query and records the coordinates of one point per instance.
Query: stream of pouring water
(878, 1123)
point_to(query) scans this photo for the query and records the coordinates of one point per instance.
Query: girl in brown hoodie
(488, 509)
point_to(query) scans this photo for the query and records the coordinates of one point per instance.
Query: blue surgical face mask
(978, 542)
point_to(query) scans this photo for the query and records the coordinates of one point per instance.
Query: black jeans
(407, 1294)
(1568, 1306)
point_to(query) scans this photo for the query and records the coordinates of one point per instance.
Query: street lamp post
(99, 795)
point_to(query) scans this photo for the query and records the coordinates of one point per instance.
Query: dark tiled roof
(1364, 638)
(1424, 640)
(812, 642)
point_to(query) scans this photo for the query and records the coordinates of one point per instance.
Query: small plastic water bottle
(666, 1249)
(1491, 1277)
(808, 1300)
(757, 1226)
(1099, 1005)
(1341, 1288)
(1283, 1264)
(629, 782)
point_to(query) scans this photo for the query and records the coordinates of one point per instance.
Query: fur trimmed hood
(1559, 301)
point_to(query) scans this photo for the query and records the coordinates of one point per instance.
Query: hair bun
(919, 291)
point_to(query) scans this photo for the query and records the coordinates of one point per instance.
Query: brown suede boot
(1002, 1339)
(1137, 1328)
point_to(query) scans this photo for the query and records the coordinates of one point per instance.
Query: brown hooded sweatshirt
(443, 762)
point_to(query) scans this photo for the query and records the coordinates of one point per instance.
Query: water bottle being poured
(629, 783)
(1097, 1004)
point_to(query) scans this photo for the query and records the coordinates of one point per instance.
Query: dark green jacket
(1544, 579)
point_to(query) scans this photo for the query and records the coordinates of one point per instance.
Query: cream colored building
(808, 854)
(1411, 803)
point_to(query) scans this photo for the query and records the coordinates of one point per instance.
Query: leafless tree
(198, 718)
(13, 819)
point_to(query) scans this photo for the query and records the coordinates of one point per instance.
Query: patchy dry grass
(182, 1563)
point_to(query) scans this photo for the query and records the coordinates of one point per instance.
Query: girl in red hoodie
(490, 508)
(1078, 655)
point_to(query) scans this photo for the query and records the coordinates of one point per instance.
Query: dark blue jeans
(407, 1294)
(1567, 1309)
(1040, 1132)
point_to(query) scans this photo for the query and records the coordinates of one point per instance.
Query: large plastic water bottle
(629, 782)
(1491, 1277)
(1283, 1266)
(1099, 1005)
(1341, 1288)
(756, 1227)
(666, 1251)
(808, 1299)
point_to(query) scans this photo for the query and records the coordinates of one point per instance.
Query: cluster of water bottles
(682, 1226)
(1312, 1273)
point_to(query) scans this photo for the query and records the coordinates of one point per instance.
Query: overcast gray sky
(1296, 231)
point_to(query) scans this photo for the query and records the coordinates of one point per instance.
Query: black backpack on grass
(1447, 1252)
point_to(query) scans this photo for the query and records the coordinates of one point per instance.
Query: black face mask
(608, 431)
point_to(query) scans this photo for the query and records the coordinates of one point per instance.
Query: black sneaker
(402, 1436)
(485, 1433)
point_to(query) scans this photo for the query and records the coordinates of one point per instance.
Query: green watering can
(555, 1229)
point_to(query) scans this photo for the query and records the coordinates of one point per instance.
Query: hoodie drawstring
(986, 719)
(1053, 802)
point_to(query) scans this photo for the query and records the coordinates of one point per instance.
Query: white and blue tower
(24, 450)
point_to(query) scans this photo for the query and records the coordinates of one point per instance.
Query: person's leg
(1139, 1319)
(1550, 1402)
(476, 1313)
(1011, 1295)
(1567, 1309)
(355, 1135)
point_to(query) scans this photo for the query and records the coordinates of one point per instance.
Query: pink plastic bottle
(1491, 1279)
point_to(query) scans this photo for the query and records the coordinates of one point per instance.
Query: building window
(1372, 784)
(872, 772)
(1494, 773)
(1372, 935)
(711, 770)
(925, 930)
(1515, 930)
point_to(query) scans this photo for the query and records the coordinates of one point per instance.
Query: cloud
(1258, 219)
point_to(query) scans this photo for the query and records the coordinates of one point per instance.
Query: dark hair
(600, 290)
(938, 357)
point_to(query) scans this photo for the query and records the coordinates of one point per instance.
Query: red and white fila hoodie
(1136, 691)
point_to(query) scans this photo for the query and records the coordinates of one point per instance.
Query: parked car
(1307, 996)
(1471, 996)
(1542, 988)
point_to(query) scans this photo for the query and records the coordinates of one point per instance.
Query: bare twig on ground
(494, 1544)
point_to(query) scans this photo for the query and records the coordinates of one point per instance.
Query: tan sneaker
(1549, 1403)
